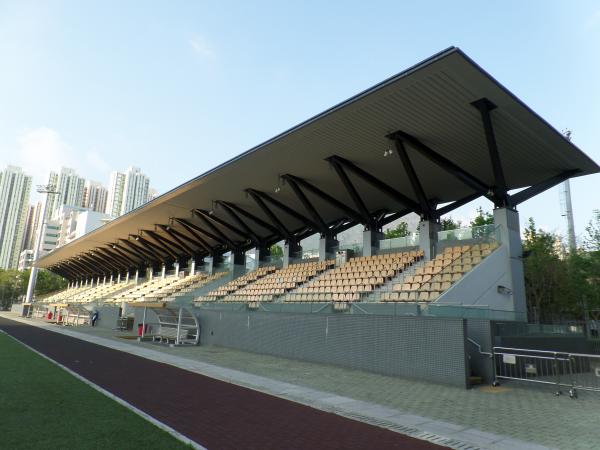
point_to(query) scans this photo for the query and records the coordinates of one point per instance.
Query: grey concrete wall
(480, 331)
(431, 349)
(107, 316)
(480, 286)
(17, 308)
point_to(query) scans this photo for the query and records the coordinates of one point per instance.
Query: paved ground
(215, 414)
(490, 418)
(523, 413)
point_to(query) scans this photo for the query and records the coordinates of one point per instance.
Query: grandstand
(426, 141)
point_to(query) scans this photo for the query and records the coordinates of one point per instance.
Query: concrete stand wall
(425, 348)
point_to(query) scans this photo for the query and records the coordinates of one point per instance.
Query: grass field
(44, 407)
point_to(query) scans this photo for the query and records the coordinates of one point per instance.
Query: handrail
(491, 355)
(354, 305)
(547, 352)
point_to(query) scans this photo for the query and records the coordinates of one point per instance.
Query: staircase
(388, 286)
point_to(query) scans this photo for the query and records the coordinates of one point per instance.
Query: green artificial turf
(44, 407)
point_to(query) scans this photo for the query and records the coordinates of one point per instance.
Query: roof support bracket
(375, 182)
(192, 231)
(283, 231)
(160, 242)
(536, 189)
(445, 164)
(235, 208)
(310, 208)
(414, 179)
(292, 212)
(212, 217)
(217, 233)
(351, 213)
(173, 234)
(485, 106)
(367, 220)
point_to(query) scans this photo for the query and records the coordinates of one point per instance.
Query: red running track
(213, 413)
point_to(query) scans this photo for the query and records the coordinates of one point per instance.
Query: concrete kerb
(436, 431)
(177, 435)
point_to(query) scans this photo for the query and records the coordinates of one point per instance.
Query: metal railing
(483, 233)
(560, 369)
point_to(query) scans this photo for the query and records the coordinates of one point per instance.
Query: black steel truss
(151, 248)
(358, 201)
(319, 223)
(536, 189)
(211, 216)
(485, 106)
(414, 179)
(351, 213)
(290, 211)
(199, 239)
(283, 231)
(109, 258)
(129, 252)
(200, 244)
(456, 204)
(255, 238)
(222, 238)
(252, 217)
(182, 245)
(117, 255)
(221, 242)
(140, 251)
(443, 162)
(97, 261)
(158, 241)
(376, 183)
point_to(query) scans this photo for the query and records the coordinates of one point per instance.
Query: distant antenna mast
(566, 206)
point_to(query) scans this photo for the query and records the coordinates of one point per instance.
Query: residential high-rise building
(135, 191)
(152, 194)
(115, 194)
(33, 212)
(94, 196)
(53, 200)
(15, 189)
(127, 191)
(70, 186)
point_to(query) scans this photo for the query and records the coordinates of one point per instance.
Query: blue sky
(178, 87)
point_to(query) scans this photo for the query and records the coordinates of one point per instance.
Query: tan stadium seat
(423, 296)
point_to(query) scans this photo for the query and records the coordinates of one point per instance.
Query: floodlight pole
(48, 190)
(567, 207)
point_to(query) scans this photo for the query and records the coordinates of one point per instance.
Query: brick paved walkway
(215, 414)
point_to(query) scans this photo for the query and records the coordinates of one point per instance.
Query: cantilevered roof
(439, 132)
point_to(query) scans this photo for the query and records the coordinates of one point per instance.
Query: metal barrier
(560, 369)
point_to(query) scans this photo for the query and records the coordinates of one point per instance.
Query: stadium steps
(475, 380)
(286, 297)
(388, 285)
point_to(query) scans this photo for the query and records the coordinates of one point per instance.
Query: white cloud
(201, 47)
(42, 150)
(96, 162)
(593, 21)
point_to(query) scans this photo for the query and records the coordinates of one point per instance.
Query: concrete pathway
(410, 407)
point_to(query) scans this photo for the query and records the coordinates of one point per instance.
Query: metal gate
(570, 370)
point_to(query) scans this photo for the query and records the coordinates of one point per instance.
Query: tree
(592, 238)
(450, 224)
(482, 218)
(401, 230)
(13, 285)
(48, 282)
(479, 224)
(545, 273)
(276, 251)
